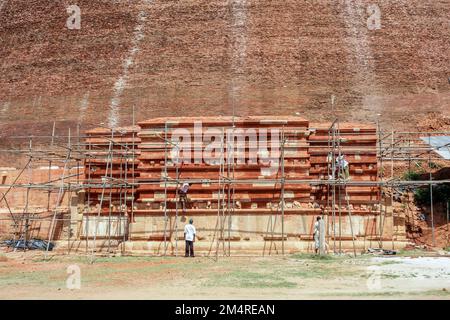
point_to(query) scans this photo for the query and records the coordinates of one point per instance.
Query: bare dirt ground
(29, 276)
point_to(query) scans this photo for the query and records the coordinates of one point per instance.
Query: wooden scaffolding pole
(433, 236)
(165, 189)
(109, 161)
(59, 198)
(283, 141)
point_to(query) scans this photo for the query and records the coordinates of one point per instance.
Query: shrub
(441, 194)
(411, 176)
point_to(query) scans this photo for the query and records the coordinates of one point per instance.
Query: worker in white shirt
(184, 189)
(317, 235)
(183, 194)
(342, 167)
(189, 237)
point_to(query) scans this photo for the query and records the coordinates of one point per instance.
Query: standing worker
(189, 237)
(317, 235)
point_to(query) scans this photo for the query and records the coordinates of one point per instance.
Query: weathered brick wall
(208, 56)
(256, 216)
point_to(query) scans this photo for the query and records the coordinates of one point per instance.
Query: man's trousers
(189, 249)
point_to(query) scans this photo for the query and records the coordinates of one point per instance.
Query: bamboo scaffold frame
(392, 147)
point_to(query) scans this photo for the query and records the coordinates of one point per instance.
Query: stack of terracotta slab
(257, 187)
(358, 144)
(237, 196)
(256, 173)
(112, 155)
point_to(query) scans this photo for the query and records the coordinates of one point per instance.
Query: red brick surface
(208, 57)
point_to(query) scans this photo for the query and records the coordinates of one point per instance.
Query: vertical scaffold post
(26, 213)
(433, 236)
(219, 198)
(165, 188)
(381, 176)
(59, 199)
(109, 161)
(133, 159)
(230, 180)
(87, 210)
(338, 179)
(331, 192)
(282, 189)
(124, 210)
(50, 165)
(177, 172)
(347, 198)
(392, 180)
(222, 205)
(110, 204)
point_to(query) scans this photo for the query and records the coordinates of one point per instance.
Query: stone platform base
(81, 246)
(206, 248)
(254, 248)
